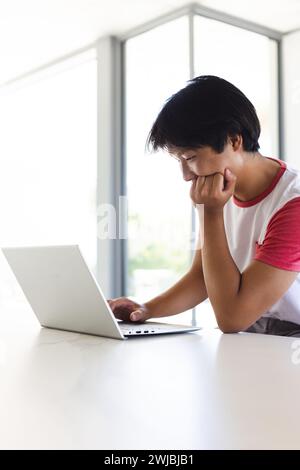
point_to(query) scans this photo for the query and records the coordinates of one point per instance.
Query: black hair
(206, 112)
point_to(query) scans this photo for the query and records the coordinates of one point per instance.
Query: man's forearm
(184, 295)
(222, 277)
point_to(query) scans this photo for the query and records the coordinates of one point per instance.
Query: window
(249, 61)
(48, 158)
(157, 65)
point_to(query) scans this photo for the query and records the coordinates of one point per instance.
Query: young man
(248, 263)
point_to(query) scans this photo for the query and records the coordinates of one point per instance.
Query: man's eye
(190, 158)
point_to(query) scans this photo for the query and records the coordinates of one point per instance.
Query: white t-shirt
(267, 229)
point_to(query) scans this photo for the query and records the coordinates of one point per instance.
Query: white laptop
(64, 294)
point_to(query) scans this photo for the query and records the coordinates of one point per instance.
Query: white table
(61, 390)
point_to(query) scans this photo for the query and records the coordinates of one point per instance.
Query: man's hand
(127, 310)
(214, 190)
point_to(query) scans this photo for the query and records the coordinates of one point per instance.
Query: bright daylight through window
(48, 161)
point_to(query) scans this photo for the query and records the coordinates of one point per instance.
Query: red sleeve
(281, 246)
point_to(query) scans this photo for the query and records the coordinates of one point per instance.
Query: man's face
(204, 161)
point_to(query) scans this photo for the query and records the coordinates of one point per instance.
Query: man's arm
(238, 299)
(184, 295)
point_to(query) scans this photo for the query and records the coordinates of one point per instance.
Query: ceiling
(35, 32)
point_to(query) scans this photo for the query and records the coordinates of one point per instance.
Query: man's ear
(236, 141)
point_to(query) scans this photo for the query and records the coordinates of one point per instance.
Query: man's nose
(187, 174)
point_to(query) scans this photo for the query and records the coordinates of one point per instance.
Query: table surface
(204, 390)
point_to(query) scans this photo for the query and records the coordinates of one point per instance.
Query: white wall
(291, 96)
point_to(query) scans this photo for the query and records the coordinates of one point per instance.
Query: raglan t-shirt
(267, 229)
